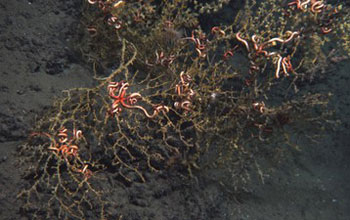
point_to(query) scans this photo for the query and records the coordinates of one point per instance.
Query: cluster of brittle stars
(201, 42)
(282, 63)
(161, 58)
(185, 93)
(316, 7)
(117, 91)
(107, 6)
(65, 147)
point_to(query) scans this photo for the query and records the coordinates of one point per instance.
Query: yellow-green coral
(220, 89)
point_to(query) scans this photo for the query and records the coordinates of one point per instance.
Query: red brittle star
(129, 101)
(162, 59)
(199, 43)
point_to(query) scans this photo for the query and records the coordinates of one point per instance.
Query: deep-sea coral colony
(282, 63)
(256, 47)
(175, 77)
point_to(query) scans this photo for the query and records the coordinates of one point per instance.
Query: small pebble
(3, 159)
